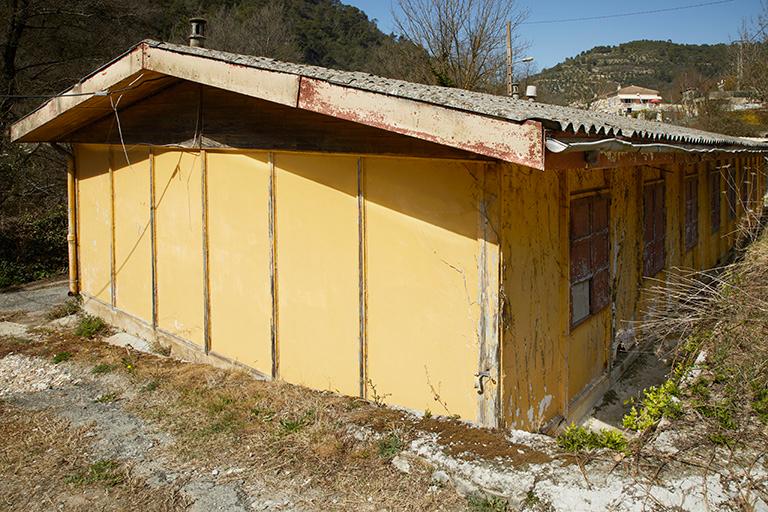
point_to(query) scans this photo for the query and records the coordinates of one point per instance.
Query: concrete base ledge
(179, 348)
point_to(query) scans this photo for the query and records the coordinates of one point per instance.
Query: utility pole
(510, 81)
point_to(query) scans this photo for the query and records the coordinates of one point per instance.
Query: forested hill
(662, 65)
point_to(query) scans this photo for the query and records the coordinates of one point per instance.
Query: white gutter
(618, 145)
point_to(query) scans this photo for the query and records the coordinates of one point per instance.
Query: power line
(622, 15)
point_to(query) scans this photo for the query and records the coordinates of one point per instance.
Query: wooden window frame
(691, 217)
(654, 227)
(589, 249)
(730, 192)
(715, 191)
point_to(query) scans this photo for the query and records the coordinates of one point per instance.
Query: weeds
(90, 327)
(106, 398)
(128, 363)
(61, 357)
(151, 386)
(657, 402)
(69, 307)
(102, 368)
(291, 425)
(390, 445)
(486, 503)
(105, 472)
(576, 438)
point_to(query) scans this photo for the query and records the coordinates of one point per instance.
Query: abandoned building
(434, 248)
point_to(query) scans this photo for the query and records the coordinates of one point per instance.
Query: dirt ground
(90, 426)
(85, 425)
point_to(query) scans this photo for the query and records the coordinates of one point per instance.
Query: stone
(123, 339)
(401, 464)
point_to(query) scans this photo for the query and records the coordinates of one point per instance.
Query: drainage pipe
(74, 283)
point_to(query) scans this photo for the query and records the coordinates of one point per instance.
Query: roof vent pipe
(197, 35)
(530, 92)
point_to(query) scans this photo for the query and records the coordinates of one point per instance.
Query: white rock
(13, 329)
(123, 339)
(66, 322)
(441, 477)
(401, 464)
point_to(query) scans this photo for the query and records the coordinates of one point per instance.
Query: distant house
(627, 100)
(428, 247)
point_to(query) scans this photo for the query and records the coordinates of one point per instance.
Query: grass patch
(293, 424)
(104, 472)
(91, 326)
(150, 386)
(486, 503)
(102, 368)
(657, 403)
(106, 398)
(69, 307)
(61, 357)
(576, 438)
(390, 445)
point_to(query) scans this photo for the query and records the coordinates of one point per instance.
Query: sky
(551, 43)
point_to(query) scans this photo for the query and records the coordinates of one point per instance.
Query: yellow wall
(94, 195)
(422, 284)
(179, 218)
(133, 249)
(239, 263)
(533, 356)
(428, 260)
(317, 271)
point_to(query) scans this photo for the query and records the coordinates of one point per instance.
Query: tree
(253, 30)
(465, 40)
(752, 55)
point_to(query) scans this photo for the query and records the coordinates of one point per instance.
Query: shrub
(390, 445)
(576, 438)
(657, 402)
(61, 357)
(486, 503)
(90, 326)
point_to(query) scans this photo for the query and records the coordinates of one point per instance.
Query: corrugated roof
(555, 117)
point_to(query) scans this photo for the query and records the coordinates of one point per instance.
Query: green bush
(90, 326)
(578, 439)
(33, 246)
(390, 445)
(657, 402)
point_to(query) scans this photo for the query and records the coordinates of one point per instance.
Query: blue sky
(552, 43)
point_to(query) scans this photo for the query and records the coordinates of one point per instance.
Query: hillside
(660, 65)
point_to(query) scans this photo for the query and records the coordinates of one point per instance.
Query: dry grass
(722, 313)
(45, 465)
(292, 438)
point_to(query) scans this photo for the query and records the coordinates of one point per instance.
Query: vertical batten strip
(153, 234)
(273, 267)
(362, 265)
(206, 276)
(112, 267)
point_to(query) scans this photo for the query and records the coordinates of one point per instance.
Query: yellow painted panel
(532, 355)
(178, 219)
(239, 257)
(422, 284)
(133, 243)
(317, 271)
(94, 197)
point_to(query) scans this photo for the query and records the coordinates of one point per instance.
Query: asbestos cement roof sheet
(554, 117)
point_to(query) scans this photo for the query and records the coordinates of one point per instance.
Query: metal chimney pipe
(197, 35)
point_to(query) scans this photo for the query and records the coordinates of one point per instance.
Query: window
(590, 247)
(744, 189)
(691, 212)
(731, 192)
(654, 221)
(714, 201)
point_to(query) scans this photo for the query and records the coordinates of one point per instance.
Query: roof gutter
(622, 146)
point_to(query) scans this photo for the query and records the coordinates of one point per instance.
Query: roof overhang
(147, 68)
(613, 145)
